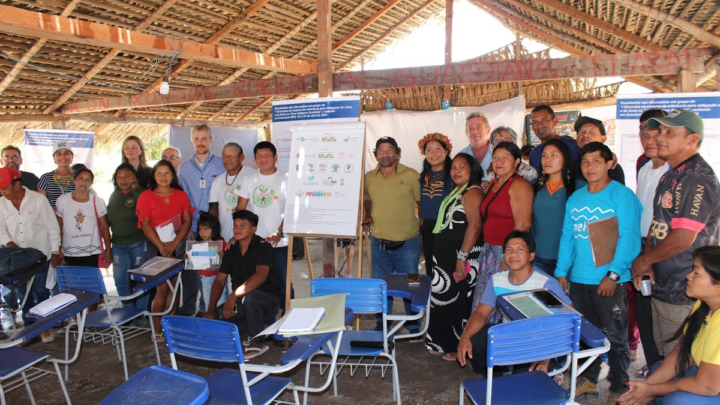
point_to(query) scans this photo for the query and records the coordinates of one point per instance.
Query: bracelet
(462, 255)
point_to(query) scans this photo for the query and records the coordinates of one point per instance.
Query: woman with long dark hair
(435, 185)
(691, 373)
(555, 185)
(163, 204)
(455, 257)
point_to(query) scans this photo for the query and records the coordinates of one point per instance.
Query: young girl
(209, 230)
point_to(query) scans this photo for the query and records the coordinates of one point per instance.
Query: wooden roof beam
(38, 25)
(347, 38)
(105, 60)
(12, 74)
(551, 41)
(675, 21)
(624, 65)
(600, 24)
(252, 109)
(27, 118)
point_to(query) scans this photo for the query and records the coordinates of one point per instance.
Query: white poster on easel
(630, 107)
(325, 179)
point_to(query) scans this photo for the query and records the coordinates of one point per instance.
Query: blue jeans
(207, 282)
(608, 314)
(38, 293)
(546, 265)
(684, 398)
(126, 257)
(403, 260)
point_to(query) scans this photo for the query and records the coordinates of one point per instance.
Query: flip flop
(435, 352)
(643, 372)
(450, 357)
(159, 338)
(253, 351)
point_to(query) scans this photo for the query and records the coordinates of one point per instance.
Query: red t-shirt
(499, 221)
(152, 206)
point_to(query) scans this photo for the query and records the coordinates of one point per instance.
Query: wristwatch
(462, 255)
(613, 276)
(280, 233)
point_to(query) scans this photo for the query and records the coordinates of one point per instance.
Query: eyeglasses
(13, 157)
(169, 157)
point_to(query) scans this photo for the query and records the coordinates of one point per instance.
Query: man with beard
(12, 158)
(544, 124)
(392, 191)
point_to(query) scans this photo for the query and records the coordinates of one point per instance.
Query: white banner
(38, 156)
(630, 107)
(407, 127)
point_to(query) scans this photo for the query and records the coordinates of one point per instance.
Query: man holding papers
(256, 294)
(599, 266)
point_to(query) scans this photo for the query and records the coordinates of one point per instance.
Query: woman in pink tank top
(506, 207)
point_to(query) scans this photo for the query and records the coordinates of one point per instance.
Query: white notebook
(52, 304)
(301, 320)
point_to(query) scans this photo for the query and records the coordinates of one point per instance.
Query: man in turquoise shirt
(599, 292)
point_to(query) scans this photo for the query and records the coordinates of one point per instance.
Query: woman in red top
(507, 207)
(164, 201)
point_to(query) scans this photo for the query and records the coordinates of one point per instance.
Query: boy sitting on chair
(518, 253)
(256, 295)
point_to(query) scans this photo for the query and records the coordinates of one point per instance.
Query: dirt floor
(424, 379)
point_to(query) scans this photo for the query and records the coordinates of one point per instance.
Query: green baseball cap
(680, 118)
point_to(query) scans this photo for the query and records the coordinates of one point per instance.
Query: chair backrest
(533, 339)
(364, 295)
(204, 339)
(80, 278)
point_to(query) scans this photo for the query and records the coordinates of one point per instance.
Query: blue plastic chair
(218, 341)
(16, 361)
(111, 322)
(159, 385)
(526, 341)
(364, 296)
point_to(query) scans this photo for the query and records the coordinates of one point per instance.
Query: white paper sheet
(166, 232)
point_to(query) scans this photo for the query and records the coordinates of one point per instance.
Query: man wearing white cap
(61, 180)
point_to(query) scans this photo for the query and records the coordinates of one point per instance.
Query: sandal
(159, 338)
(450, 357)
(643, 372)
(435, 352)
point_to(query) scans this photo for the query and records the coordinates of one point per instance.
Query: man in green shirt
(392, 191)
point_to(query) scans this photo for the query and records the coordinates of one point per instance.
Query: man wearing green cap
(686, 215)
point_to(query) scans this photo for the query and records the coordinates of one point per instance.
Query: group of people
(205, 198)
(486, 210)
(486, 221)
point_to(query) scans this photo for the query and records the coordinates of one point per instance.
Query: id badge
(202, 183)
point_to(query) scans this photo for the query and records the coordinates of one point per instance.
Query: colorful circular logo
(130, 202)
(263, 196)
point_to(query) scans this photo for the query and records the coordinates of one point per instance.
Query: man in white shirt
(647, 181)
(225, 189)
(28, 221)
(263, 193)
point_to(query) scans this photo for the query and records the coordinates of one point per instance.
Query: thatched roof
(287, 28)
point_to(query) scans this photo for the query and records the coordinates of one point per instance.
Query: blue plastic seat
(521, 342)
(110, 324)
(218, 341)
(159, 385)
(363, 296)
(16, 361)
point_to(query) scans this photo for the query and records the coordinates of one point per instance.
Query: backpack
(15, 261)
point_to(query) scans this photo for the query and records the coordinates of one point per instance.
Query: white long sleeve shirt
(34, 226)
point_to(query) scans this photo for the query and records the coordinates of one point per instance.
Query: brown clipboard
(603, 235)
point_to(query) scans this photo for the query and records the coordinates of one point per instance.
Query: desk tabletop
(149, 282)
(417, 294)
(41, 324)
(589, 334)
(306, 345)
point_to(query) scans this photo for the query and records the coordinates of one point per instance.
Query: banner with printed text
(38, 156)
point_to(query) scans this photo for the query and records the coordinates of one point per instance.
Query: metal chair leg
(27, 387)
(62, 384)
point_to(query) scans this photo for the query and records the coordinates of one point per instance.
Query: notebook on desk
(52, 304)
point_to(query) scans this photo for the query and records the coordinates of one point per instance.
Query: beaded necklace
(58, 179)
(446, 206)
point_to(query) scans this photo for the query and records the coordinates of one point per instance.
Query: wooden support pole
(38, 25)
(324, 35)
(625, 65)
(448, 42)
(518, 47)
(686, 82)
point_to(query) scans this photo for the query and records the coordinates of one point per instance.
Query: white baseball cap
(61, 145)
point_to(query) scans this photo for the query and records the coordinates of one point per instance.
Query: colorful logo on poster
(318, 194)
(348, 168)
(328, 139)
(335, 168)
(325, 156)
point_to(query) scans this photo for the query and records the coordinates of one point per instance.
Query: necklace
(233, 182)
(437, 176)
(446, 207)
(58, 179)
(553, 186)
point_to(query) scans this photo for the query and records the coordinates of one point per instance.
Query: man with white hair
(477, 129)
(173, 155)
